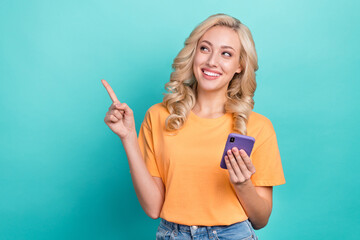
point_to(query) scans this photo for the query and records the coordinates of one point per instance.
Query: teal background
(64, 174)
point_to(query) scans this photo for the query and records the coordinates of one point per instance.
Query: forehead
(222, 36)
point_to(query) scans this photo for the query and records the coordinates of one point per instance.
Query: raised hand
(120, 117)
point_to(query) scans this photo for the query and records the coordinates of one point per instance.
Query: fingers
(114, 115)
(110, 92)
(124, 107)
(235, 166)
(233, 177)
(239, 164)
(247, 161)
(111, 118)
(117, 112)
(115, 106)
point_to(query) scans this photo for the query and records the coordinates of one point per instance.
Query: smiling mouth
(211, 74)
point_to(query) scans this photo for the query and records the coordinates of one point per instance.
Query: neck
(210, 103)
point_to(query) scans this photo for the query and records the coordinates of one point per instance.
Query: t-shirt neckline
(208, 120)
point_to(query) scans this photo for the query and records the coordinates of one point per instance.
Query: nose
(212, 59)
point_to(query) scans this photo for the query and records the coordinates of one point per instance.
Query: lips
(210, 71)
(210, 74)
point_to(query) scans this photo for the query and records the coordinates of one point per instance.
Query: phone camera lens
(232, 139)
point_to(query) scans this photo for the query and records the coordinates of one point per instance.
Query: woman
(175, 161)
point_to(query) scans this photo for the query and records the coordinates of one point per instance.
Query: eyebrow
(221, 46)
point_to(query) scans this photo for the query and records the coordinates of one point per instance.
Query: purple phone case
(241, 142)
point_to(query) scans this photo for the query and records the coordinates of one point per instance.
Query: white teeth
(211, 74)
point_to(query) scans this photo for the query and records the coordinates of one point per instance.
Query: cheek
(230, 67)
(199, 58)
(195, 68)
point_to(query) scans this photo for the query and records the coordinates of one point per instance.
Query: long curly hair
(182, 88)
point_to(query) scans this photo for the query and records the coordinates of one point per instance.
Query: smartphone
(241, 142)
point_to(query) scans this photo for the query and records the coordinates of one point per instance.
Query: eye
(228, 54)
(202, 48)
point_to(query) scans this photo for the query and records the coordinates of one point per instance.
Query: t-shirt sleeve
(267, 161)
(146, 143)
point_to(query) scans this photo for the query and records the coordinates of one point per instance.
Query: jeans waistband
(187, 228)
(181, 227)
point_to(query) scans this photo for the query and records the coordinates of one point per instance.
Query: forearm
(257, 208)
(150, 197)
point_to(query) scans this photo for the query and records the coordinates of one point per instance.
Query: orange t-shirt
(198, 191)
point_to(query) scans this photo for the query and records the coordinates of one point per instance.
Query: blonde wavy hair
(182, 88)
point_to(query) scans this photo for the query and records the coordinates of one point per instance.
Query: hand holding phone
(241, 142)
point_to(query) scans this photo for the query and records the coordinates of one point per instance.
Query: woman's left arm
(256, 201)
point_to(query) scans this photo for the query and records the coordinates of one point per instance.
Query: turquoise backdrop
(64, 174)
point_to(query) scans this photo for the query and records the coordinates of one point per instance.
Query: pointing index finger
(110, 91)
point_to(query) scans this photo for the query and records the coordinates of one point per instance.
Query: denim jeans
(169, 230)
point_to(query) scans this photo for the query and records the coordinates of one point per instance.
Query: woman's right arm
(149, 190)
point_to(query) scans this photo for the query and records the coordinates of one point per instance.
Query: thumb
(123, 106)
